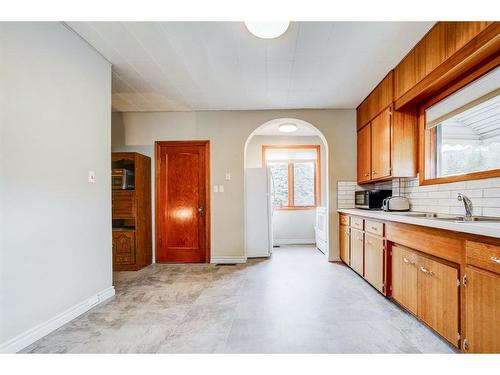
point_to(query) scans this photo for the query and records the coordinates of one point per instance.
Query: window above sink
(460, 131)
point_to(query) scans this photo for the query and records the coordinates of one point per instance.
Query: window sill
(295, 208)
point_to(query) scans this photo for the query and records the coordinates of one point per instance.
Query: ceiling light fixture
(267, 30)
(288, 128)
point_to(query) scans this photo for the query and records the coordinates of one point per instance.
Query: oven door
(361, 199)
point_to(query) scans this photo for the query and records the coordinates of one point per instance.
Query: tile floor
(294, 302)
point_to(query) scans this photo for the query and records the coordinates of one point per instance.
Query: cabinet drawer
(483, 255)
(123, 204)
(357, 222)
(344, 220)
(374, 227)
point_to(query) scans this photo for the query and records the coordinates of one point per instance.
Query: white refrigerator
(259, 212)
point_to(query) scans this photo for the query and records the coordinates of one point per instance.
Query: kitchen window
(461, 132)
(295, 175)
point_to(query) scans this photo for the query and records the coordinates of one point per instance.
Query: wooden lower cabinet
(123, 247)
(428, 289)
(374, 261)
(344, 244)
(482, 309)
(438, 292)
(357, 256)
(404, 278)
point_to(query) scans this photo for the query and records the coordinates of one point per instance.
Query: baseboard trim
(30, 336)
(228, 260)
(295, 241)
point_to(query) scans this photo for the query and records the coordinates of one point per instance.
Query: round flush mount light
(267, 30)
(288, 128)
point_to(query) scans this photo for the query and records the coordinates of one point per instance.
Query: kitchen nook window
(295, 175)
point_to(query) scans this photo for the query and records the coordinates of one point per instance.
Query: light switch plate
(216, 189)
(92, 177)
(228, 176)
(221, 188)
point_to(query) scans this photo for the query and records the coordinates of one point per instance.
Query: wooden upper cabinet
(381, 145)
(380, 98)
(364, 154)
(443, 54)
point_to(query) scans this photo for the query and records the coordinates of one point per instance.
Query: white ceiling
(183, 66)
(304, 129)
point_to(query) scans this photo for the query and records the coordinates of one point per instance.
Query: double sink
(453, 218)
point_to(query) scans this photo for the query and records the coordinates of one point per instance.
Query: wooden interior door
(364, 154)
(344, 244)
(381, 145)
(404, 278)
(357, 250)
(374, 261)
(438, 297)
(182, 202)
(482, 304)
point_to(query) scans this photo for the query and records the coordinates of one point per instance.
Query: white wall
(55, 227)
(228, 132)
(290, 226)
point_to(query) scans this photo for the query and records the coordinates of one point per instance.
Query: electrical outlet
(221, 188)
(216, 189)
(228, 176)
(92, 177)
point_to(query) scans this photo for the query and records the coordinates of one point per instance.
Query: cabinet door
(404, 278)
(357, 251)
(344, 239)
(381, 145)
(482, 306)
(374, 261)
(438, 297)
(123, 247)
(364, 154)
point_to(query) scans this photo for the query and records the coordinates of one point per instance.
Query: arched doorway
(306, 137)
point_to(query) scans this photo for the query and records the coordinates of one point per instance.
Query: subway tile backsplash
(442, 198)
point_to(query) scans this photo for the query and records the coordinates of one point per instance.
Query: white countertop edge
(482, 228)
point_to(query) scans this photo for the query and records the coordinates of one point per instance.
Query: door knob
(200, 211)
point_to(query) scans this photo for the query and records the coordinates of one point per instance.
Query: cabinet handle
(373, 228)
(373, 172)
(346, 232)
(495, 259)
(367, 174)
(408, 261)
(425, 270)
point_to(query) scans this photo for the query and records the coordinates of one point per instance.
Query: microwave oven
(122, 179)
(371, 199)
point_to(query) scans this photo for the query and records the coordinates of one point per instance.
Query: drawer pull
(495, 259)
(346, 232)
(425, 270)
(374, 228)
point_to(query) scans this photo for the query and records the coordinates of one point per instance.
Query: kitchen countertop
(480, 228)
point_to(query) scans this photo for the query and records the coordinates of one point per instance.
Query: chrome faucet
(468, 206)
